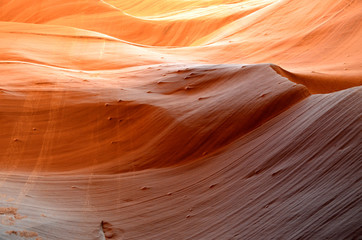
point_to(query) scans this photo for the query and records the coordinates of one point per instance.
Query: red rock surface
(180, 119)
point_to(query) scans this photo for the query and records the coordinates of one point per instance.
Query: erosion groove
(174, 119)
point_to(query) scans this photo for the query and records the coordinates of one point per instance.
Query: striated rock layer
(180, 119)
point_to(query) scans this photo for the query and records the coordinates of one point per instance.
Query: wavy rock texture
(180, 119)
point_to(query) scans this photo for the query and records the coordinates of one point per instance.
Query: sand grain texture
(180, 119)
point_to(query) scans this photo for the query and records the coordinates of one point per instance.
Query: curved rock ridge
(175, 119)
(201, 107)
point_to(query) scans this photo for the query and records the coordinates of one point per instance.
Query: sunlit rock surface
(177, 119)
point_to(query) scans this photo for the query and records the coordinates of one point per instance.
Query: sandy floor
(200, 119)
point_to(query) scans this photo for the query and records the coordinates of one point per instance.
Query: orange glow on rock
(180, 119)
